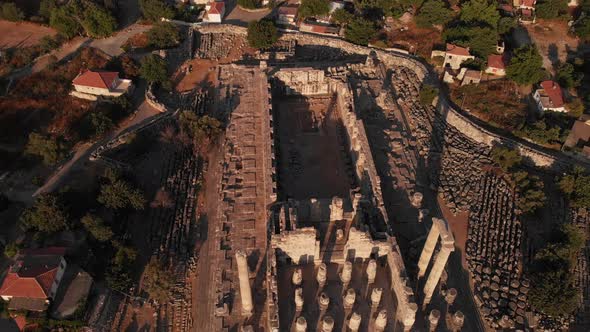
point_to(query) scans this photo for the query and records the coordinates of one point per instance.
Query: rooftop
(551, 95)
(96, 78)
(496, 61)
(457, 50)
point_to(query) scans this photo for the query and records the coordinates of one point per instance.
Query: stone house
(496, 65)
(455, 56)
(287, 14)
(92, 83)
(215, 11)
(469, 76)
(549, 97)
(579, 136)
(33, 280)
(525, 10)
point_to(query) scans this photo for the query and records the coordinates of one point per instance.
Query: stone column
(346, 274)
(428, 249)
(336, 210)
(298, 299)
(458, 320)
(349, 298)
(244, 278)
(324, 302)
(321, 276)
(376, 297)
(297, 277)
(436, 271)
(355, 322)
(301, 324)
(381, 321)
(327, 324)
(247, 328)
(451, 296)
(433, 319)
(371, 271)
(409, 316)
(416, 200)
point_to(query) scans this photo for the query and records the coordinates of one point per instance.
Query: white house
(287, 14)
(92, 83)
(496, 65)
(549, 97)
(455, 56)
(215, 11)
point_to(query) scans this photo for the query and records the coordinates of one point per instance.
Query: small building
(335, 5)
(496, 65)
(319, 28)
(470, 76)
(549, 97)
(287, 14)
(89, 84)
(455, 56)
(579, 136)
(526, 10)
(33, 280)
(215, 11)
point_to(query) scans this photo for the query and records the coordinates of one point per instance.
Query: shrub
(97, 228)
(47, 215)
(313, 8)
(506, 158)
(163, 35)
(11, 249)
(526, 66)
(249, 4)
(47, 148)
(153, 10)
(360, 31)
(427, 95)
(10, 12)
(157, 282)
(153, 69)
(262, 34)
(433, 12)
(117, 193)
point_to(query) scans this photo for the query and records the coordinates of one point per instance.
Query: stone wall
(300, 245)
(480, 134)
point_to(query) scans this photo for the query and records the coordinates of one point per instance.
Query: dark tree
(262, 34)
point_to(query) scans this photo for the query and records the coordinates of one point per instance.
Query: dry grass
(22, 34)
(496, 102)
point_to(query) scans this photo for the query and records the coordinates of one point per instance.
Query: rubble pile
(456, 161)
(493, 254)
(217, 45)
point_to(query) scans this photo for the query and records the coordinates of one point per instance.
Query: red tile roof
(96, 79)
(33, 274)
(553, 91)
(288, 10)
(217, 8)
(496, 61)
(457, 50)
(528, 3)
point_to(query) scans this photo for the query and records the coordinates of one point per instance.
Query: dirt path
(82, 153)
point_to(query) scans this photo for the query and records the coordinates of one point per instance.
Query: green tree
(157, 282)
(341, 16)
(97, 228)
(11, 249)
(506, 24)
(480, 11)
(552, 291)
(313, 8)
(567, 76)
(427, 95)
(118, 275)
(526, 66)
(249, 4)
(153, 10)
(202, 129)
(549, 9)
(530, 192)
(433, 12)
(47, 215)
(582, 27)
(48, 43)
(505, 157)
(153, 69)
(262, 34)
(163, 35)
(49, 149)
(481, 40)
(9, 11)
(63, 21)
(360, 31)
(99, 123)
(576, 185)
(541, 133)
(117, 193)
(45, 8)
(97, 21)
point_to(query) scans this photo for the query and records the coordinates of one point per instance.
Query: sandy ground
(553, 41)
(239, 16)
(112, 45)
(22, 34)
